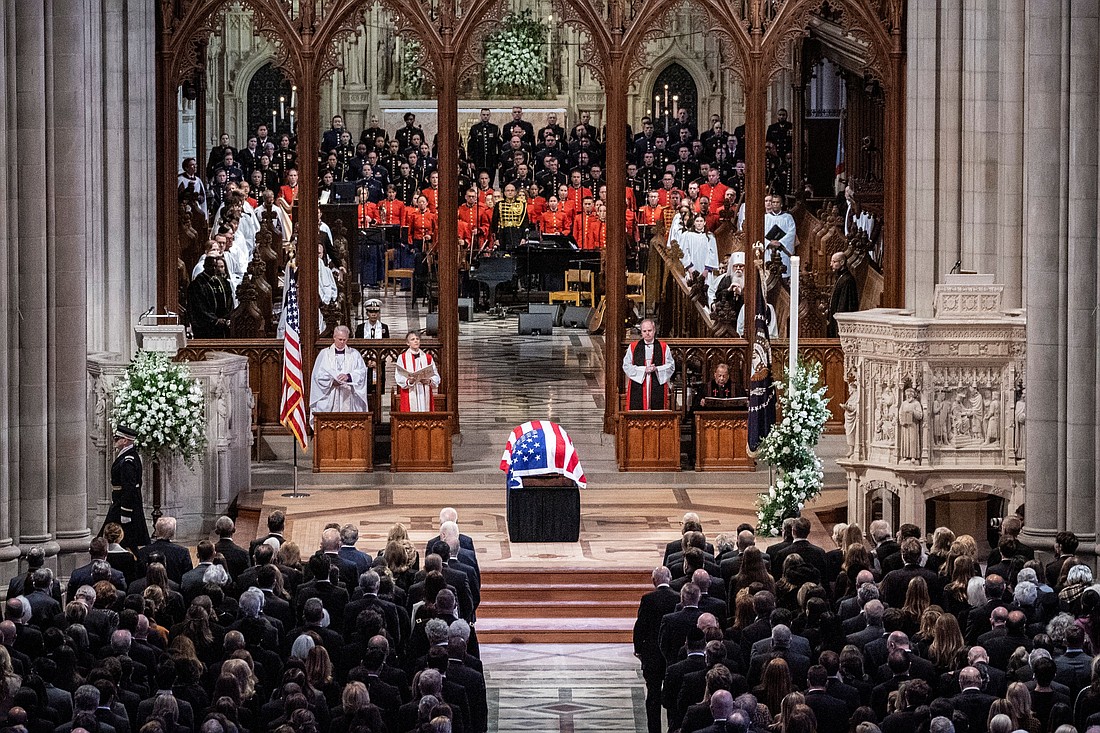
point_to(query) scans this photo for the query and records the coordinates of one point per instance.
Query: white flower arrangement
(789, 446)
(515, 63)
(412, 69)
(163, 403)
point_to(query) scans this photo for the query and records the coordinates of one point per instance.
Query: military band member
(483, 146)
(510, 219)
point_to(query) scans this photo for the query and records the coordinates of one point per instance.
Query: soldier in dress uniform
(404, 136)
(510, 219)
(373, 328)
(406, 185)
(127, 508)
(483, 146)
(345, 152)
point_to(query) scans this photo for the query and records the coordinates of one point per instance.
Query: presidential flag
(538, 448)
(292, 413)
(761, 389)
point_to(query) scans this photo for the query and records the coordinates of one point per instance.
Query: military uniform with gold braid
(510, 222)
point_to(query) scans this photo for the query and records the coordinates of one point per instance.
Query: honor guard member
(127, 509)
(345, 151)
(780, 132)
(510, 219)
(373, 132)
(406, 185)
(483, 145)
(649, 176)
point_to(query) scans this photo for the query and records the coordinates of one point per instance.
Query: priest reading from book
(416, 377)
(339, 381)
(648, 366)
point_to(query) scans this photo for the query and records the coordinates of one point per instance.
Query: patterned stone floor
(536, 688)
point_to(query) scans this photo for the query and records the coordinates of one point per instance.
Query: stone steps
(559, 606)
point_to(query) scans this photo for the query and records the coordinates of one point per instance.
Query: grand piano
(538, 265)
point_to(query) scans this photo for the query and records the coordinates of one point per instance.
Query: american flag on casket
(538, 448)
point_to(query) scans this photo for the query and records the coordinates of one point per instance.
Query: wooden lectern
(722, 440)
(420, 441)
(648, 440)
(343, 442)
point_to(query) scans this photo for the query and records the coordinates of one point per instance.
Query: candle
(657, 103)
(294, 96)
(666, 96)
(792, 353)
(675, 105)
(282, 108)
(274, 125)
(292, 121)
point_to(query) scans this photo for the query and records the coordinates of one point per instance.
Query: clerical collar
(340, 351)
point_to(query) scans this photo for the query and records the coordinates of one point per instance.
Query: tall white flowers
(160, 400)
(790, 448)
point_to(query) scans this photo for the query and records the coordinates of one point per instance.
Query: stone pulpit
(195, 497)
(935, 416)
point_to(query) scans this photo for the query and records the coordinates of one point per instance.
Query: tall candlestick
(792, 352)
(292, 121)
(294, 96)
(666, 96)
(274, 123)
(657, 104)
(282, 108)
(675, 105)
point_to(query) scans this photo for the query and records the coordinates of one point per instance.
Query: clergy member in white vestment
(699, 248)
(648, 365)
(774, 216)
(339, 380)
(416, 392)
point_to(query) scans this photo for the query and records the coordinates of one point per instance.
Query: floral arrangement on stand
(163, 403)
(515, 60)
(789, 447)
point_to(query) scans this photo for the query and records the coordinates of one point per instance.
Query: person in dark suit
(895, 583)
(971, 701)
(893, 560)
(801, 545)
(831, 712)
(1000, 648)
(836, 686)
(906, 718)
(727, 719)
(36, 558)
(652, 608)
(276, 523)
(177, 558)
(676, 626)
(677, 670)
(1074, 665)
(97, 549)
(333, 596)
(980, 619)
(919, 667)
(450, 514)
(330, 547)
(192, 583)
(872, 612)
(788, 538)
(471, 680)
(349, 536)
(689, 523)
(798, 664)
(236, 557)
(1065, 547)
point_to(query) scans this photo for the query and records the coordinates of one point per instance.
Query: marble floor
(548, 688)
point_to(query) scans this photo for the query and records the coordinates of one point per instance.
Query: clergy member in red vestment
(648, 365)
(416, 393)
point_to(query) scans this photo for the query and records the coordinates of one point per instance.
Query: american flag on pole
(761, 388)
(537, 448)
(840, 146)
(292, 414)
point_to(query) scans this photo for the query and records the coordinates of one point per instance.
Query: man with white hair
(449, 534)
(885, 545)
(176, 558)
(450, 514)
(339, 379)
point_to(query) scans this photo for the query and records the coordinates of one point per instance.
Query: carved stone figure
(851, 417)
(910, 418)
(886, 416)
(1019, 449)
(993, 419)
(941, 419)
(222, 396)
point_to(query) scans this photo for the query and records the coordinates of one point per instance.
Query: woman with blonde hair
(289, 554)
(786, 710)
(9, 680)
(1019, 698)
(927, 630)
(246, 677)
(941, 548)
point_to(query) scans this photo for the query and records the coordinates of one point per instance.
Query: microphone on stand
(955, 269)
